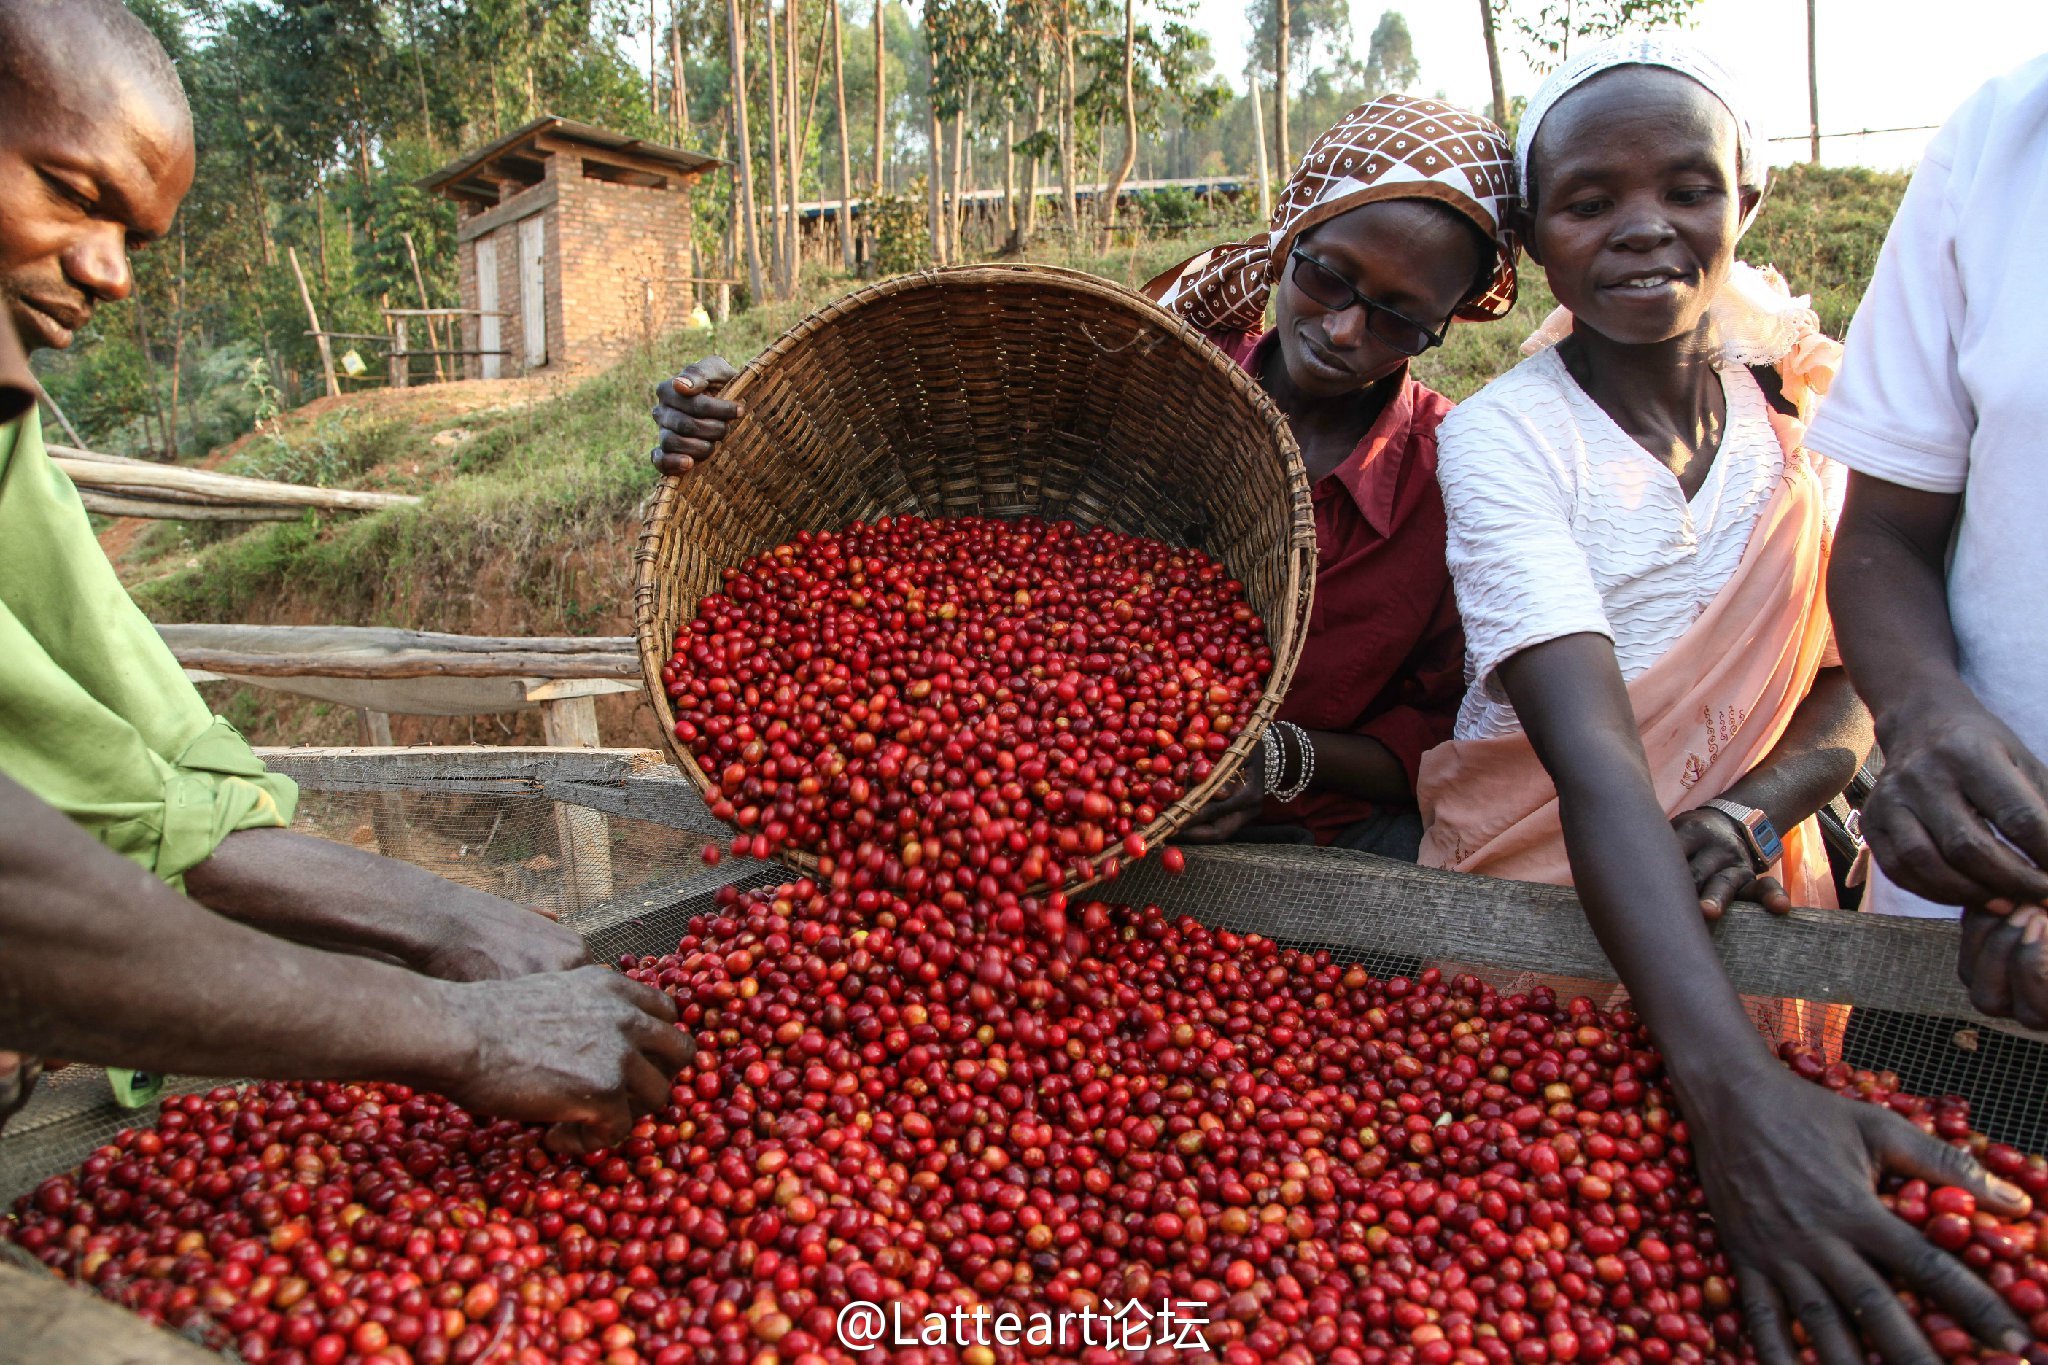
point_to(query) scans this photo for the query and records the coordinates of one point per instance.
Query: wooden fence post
(319, 336)
(571, 723)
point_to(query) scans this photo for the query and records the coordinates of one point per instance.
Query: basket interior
(1001, 392)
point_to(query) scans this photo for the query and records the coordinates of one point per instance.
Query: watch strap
(1765, 847)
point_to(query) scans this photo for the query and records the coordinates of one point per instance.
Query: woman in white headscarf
(1639, 545)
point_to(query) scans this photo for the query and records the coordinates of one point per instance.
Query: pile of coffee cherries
(901, 1105)
(928, 1081)
(964, 709)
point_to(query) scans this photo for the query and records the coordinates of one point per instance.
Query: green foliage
(902, 240)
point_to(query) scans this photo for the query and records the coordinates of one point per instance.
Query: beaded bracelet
(1270, 754)
(1308, 762)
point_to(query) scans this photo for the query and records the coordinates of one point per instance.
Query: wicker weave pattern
(994, 391)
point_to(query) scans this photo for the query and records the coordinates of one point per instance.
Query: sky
(1883, 64)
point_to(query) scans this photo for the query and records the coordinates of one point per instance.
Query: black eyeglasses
(1332, 291)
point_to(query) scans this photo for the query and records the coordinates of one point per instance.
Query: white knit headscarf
(1758, 318)
(1647, 49)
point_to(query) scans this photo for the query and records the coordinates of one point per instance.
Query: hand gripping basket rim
(1284, 636)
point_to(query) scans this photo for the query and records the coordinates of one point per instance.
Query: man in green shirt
(155, 912)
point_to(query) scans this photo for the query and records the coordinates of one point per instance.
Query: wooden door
(489, 331)
(533, 292)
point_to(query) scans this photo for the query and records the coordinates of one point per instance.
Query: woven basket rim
(1285, 637)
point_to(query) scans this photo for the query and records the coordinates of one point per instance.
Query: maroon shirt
(1385, 653)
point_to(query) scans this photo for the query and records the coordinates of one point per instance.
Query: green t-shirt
(96, 716)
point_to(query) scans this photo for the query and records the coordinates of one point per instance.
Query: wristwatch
(1758, 832)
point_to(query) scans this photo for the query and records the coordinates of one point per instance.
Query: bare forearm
(1827, 741)
(1626, 863)
(1889, 598)
(105, 964)
(1360, 766)
(320, 892)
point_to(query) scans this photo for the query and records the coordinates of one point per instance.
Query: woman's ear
(1750, 200)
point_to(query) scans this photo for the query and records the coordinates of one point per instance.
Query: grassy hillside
(531, 489)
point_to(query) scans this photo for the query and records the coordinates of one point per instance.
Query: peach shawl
(1709, 710)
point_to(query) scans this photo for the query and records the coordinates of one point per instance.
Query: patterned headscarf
(1393, 147)
(1647, 49)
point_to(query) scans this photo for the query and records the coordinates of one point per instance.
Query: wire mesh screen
(631, 882)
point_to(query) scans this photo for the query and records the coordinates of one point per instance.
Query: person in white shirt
(1638, 542)
(1941, 565)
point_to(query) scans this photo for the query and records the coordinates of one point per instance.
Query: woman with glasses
(1394, 224)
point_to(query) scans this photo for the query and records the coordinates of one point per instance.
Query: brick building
(578, 238)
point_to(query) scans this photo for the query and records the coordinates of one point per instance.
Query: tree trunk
(1283, 40)
(1812, 88)
(1010, 176)
(1069, 211)
(776, 138)
(845, 152)
(177, 340)
(678, 84)
(1259, 141)
(791, 49)
(936, 194)
(1130, 156)
(955, 218)
(156, 398)
(881, 97)
(1500, 91)
(1027, 223)
(736, 29)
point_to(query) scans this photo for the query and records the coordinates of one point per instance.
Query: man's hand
(585, 1050)
(691, 416)
(1790, 1172)
(2004, 963)
(480, 937)
(1722, 869)
(1232, 808)
(1960, 813)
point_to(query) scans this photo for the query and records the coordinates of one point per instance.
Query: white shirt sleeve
(1899, 410)
(1520, 576)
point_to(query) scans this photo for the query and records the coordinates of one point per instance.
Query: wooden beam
(227, 488)
(116, 505)
(420, 664)
(625, 160)
(313, 316)
(510, 211)
(47, 1319)
(425, 766)
(303, 639)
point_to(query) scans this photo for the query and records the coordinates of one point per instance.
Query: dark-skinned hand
(486, 938)
(585, 1050)
(1721, 866)
(1791, 1171)
(691, 416)
(1960, 813)
(2003, 962)
(1232, 808)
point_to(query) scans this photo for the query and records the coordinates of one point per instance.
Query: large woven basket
(993, 391)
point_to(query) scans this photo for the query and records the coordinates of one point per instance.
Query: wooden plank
(318, 639)
(1341, 899)
(555, 689)
(490, 327)
(409, 696)
(115, 505)
(510, 211)
(412, 664)
(533, 290)
(45, 1320)
(426, 766)
(584, 834)
(229, 488)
